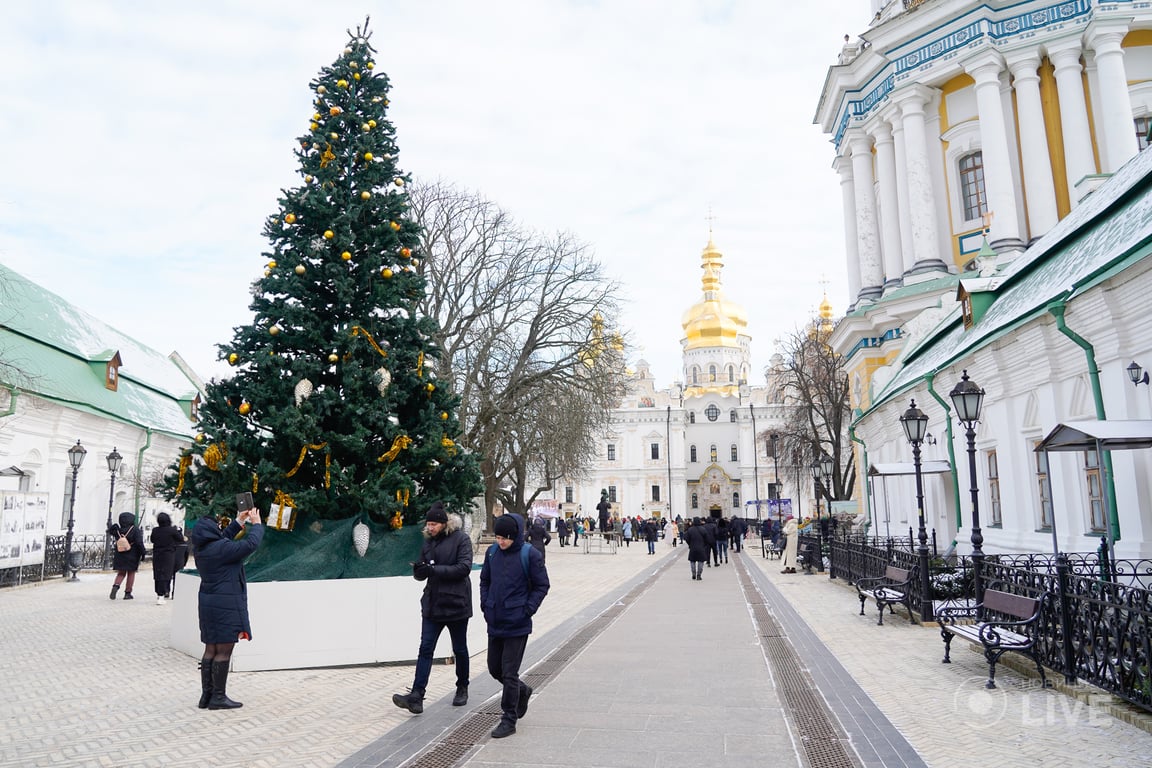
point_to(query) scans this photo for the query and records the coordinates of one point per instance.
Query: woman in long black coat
(126, 562)
(165, 537)
(223, 599)
(699, 547)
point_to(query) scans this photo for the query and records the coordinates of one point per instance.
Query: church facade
(700, 447)
(994, 194)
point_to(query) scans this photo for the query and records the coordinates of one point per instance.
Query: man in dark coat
(539, 537)
(513, 583)
(699, 550)
(126, 562)
(223, 602)
(445, 565)
(737, 527)
(604, 507)
(562, 531)
(710, 530)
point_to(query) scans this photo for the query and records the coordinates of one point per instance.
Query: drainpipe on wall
(1057, 309)
(11, 400)
(867, 479)
(929, 379)
(139, 469)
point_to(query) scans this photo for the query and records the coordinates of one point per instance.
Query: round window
(712, 412)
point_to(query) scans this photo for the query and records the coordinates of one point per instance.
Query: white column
(921, 211)
(1073, 112)
(1115, 122)
(1006, 230)
(1039, 189)
(843, 166)
(871, 274)
(889, 205)
(906, 250)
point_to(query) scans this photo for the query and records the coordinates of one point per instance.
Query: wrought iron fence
(88, 551)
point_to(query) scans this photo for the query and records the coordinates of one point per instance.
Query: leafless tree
(522, 322)
(813, 378)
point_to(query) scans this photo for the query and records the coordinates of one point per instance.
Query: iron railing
(87, 550)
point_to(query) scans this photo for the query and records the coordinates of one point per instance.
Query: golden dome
(714, 321)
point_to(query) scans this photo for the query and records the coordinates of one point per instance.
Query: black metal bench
(887, 590)
(1006, 621)
(769, 548)
(810, 557)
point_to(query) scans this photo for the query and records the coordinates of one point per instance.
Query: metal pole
(755, 461)
(977, 536)
(71, 523)
(922, 536)
(107, 535)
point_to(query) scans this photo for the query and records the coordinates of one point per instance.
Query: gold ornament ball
(316, 116)
(399, 182)
(245, 408)
(365, 127)
(267, 273)
(308, 179)
(321, 89)
(332, 358)
(346, 256)
(347, 51)
(313, 126)
(443, 415)
(386, 102)
(395, 226)
(200, 437)
(341, 83)
(274, 330)
(406, 252)
(430, 386)
(371, 123)
(333, 136)
(300, 269)
(365, 195)
(329, 234)
(272, 265)
(353, 65)
(334, 111)
(369, 157)
(232, 358)
(370, 65)
(290, 218)
(356, 76)
(386, 273)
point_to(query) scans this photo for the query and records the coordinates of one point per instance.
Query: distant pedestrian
(699, 550)
(539, 537)
(562, 531)
(626, 530)
(791, 534)
(223, 605)
(723, 535)
(674, 531)
(738, 528)
(445, 567)
(128, 542)
(604, 507)
(650, 533)
(710, 530)
(164, 537)
(513, 584)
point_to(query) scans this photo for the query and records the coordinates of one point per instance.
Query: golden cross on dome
(987, 217)
(710, 218)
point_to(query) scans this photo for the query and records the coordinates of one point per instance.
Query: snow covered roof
(60, 353)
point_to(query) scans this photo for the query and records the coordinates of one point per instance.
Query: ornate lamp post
(776, 479)
(75, 457)
(817, 469)
(826, 468)
(967, 397)
(113, 460)
(915, 424)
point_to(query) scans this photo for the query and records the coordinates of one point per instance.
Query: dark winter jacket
(508, 596)
(448, 589)
(223, 588)
(699, 550)
(539, 538)
(164, 540)
(129, 560)
(649, 530)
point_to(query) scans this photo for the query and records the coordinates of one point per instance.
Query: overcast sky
(146, 142)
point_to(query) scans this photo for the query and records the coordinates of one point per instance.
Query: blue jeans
(429, 634)
(652, 547)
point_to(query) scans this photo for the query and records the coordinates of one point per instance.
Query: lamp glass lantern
(826, 466)
(967, 398)
(114, 460)
(76, 455)
(915, 424)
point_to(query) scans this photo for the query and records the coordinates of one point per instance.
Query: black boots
(128, 595)
(115, 589)
(505, 728)
(461, 697)
(219, 698)
(205, 683)
(413, 702)
(522, 705)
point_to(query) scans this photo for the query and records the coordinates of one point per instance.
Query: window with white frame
(611, 452)
(567, 494)
(997, 519)
(612, 494)
(972, 195)
(735, 453)
(1093, 482)
(655, 493)
(692, 454)
(654, 451)
(1043, 488)
(735, 500)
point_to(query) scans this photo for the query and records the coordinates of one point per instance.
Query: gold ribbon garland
(255, 483)
(403, 495)
(185, 462)
(448, 446)
(397, 521)
(400, 443)
(327, 156)
(358, 331)
(420, 365)
(214, 455)
(303, 452)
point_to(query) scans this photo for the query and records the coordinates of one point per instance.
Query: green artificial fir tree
(333, 407)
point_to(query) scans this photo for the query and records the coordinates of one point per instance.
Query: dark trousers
(429, 634)
(504, 657)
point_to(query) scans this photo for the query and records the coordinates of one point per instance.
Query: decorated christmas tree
(332, 410)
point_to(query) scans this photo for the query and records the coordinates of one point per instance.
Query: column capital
(858, 140)
(1066, 52)
(914, 98)
(1106, 36)
(843, 166)
(985, 67)
(1023, 64)
(881, 132)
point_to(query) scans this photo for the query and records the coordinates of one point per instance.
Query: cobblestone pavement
(92, 682)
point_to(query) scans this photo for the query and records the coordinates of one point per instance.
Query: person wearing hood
(445, 567)
(790, 533)
(513, 584)
(165, 537)
(699, 550)
(223, 602)
(126, 561)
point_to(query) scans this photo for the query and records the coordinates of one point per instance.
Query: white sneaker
(160, 600)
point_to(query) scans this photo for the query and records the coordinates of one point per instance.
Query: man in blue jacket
(513, 583)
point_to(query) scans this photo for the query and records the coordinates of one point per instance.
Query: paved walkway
(635, 664)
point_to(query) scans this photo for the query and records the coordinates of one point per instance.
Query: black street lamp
(113, 460)
(776, 479)
(915, 424)
(817, 469)
(75, 457)
(967, 398)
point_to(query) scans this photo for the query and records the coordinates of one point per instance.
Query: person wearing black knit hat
(513, 583)
(445, 567)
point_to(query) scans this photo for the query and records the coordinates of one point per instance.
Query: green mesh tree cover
(332, 406)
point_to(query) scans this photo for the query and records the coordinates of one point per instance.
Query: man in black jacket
(445, 565)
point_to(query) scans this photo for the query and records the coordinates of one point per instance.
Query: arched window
(711, 373)
(695, 502)
(735, 501)
(695, 374)
(735, 456)
(972, 186)
(712, 452)
(692, 454)
(731, 374)
(732, 415)
(691, 417)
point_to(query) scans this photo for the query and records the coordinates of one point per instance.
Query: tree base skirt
(306, 624)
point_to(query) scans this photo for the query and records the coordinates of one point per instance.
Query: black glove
(422, 570)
